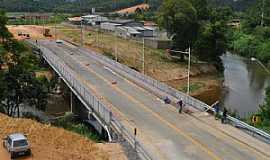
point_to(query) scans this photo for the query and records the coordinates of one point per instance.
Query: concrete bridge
(121, 100)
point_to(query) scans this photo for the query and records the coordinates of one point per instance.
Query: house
(75, 20)
(94, 19)
(127, 32)
(235, 23)
(109, 27)
(127, 22)
(138, 32)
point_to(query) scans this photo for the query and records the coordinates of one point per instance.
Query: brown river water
(245, 82)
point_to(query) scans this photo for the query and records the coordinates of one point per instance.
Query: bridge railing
(89, 99)
(157, 86)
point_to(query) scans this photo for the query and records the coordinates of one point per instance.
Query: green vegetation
(252, 39)
(104, 5)
(58, 18)
(193, 87)
(75, 6)
(68, 122)
(18, 84)
(264, 114)
(196, 24)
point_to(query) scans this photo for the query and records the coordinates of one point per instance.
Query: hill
(238, 5)
(70, 5)
(75, 6)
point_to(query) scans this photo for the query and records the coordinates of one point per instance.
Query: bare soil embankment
(52, 143)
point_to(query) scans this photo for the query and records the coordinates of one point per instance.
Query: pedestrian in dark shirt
(217, 111)
(224, 116)
(180, 105)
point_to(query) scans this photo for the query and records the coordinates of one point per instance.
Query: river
(245, 82)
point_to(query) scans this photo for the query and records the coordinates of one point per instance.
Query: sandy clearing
(51, 143)
(36, 32)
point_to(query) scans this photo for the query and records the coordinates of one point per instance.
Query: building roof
(90, 16)
(75, 19)
(150, 28)
(113, 24)
(149, 23)
(122, 21)
(17, 136)
(139, 28)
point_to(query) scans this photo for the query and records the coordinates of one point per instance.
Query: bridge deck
(165, 133)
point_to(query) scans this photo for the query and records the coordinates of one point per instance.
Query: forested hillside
(238, 5)
(101, 5)
(70, 5)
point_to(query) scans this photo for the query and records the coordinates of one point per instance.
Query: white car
(17, 145)
(59, 41)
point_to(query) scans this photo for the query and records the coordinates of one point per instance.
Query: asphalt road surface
(165, 133)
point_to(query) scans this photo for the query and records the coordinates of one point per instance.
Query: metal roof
(139, 28)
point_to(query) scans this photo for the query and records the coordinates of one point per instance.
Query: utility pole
(115, 47)
(189, 58)
(262, 20)
(81, 32)
(143, 58)
(115, 40)
(81, 23)
(189, 66)
(55, 34)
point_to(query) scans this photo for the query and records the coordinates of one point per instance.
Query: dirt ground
(51, 143)
(35, 32)
(203, 76)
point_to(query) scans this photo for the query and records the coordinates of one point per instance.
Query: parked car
(17, 145)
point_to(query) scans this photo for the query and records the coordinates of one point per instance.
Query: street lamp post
(189, 58)
(143, 58)
(262, 20)
(189, 65)
(260, 63)
(81, 23)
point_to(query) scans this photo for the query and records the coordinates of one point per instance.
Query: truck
(47, 33)
(17, 145)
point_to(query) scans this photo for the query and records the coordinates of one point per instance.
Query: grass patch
(193, 87)
(72, 124)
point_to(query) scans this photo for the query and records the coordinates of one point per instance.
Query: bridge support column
(71, 101)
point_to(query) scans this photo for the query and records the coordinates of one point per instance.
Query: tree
(179, 18)
(18, 84)
(193, 23)
(4, 33)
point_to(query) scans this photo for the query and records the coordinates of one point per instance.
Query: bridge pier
(71, 101)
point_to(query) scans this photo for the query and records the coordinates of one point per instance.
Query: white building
(109, 27)
(94, 19)
(125, 32)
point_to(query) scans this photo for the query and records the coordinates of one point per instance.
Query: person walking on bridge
(224, 116)
(180, 106)
(217, 108)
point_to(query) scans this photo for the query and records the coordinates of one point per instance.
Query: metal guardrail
(141, 78)
(90, 100)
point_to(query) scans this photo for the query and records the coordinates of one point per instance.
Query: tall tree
(179, 17)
